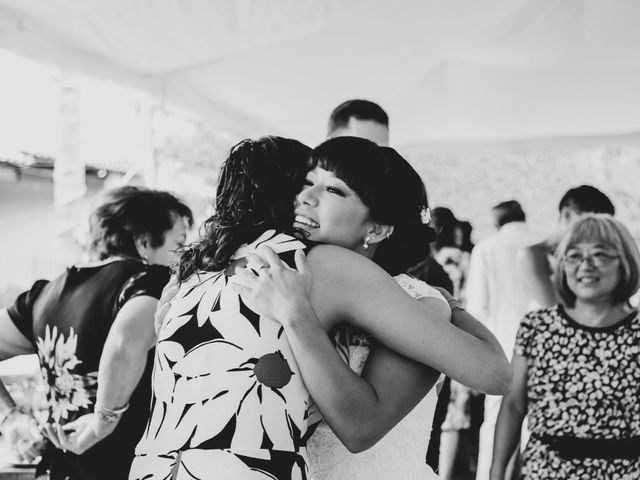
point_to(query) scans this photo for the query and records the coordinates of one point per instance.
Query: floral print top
(67, 320)
(582, 382)
(225, 379)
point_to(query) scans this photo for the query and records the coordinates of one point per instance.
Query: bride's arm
(399, 384)
(348, 286)
(359, 410)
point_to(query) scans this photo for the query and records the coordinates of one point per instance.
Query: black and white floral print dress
(584, 383)
(228, 398)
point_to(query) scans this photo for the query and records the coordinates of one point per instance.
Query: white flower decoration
(65, 391)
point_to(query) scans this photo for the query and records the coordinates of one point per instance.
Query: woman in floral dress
(576, 365)
(229, 397)
(92, 328)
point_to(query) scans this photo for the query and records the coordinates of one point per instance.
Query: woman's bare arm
(348, 287)
(359, 410)
(20, 430)
(399, 385)
(462, 319)
(509, 424)
(122, 364)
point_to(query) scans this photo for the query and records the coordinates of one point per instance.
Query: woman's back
(227, 393)
(68, 320)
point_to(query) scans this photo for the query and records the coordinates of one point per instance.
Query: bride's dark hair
(256, 190)
(392, 190)
(407, 202)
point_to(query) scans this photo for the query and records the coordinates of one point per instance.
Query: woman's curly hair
(258, 184)
(126, 213)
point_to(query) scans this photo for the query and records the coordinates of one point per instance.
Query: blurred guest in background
(575, 364)
(462, 236)
(447, 247)
(430, 270)
(535, 261)
(452, 417)
(92, 328)
(495, 296)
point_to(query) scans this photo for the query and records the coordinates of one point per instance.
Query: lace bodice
(401, 453)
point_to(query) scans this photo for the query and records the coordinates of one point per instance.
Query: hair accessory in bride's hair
(425, 215)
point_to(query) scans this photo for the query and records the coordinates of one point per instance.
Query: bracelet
(5, 416)
(109, 415)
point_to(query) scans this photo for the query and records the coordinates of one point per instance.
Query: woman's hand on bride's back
(276, 290)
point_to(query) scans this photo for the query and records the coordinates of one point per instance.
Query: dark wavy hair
(126, 213)
(391, 189)
(258, 183)
(407, 197)
(445, 223)
(587, 199)
(508, 212)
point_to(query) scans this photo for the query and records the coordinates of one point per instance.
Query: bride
(366, 402)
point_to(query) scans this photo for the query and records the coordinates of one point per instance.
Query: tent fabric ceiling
(450, 71)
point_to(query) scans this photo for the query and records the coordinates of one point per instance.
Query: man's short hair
(587, 199)
(358, 109)
(507, 212)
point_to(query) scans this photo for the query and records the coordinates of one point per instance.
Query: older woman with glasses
(576, 365)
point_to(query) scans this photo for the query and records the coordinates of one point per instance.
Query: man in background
(495, 296)
(360, 118)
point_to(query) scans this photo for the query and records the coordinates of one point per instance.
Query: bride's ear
(379, 232)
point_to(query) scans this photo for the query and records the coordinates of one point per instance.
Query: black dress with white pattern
(582, 382)
(67, 320)
(228, 398)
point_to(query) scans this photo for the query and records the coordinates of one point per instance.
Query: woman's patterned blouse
(582, 381)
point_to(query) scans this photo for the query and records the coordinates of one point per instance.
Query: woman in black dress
(92, 329)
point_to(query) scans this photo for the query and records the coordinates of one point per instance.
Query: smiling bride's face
(331, 212)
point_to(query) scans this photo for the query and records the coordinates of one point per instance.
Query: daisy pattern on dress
(218, 360)
(65, 390)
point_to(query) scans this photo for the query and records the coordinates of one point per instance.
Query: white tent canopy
(446, 71)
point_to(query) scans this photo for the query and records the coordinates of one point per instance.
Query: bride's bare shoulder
(342, 272)
(333, 259)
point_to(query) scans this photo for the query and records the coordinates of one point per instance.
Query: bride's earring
(365, 245)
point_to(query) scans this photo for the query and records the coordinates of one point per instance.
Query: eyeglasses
(597, 259)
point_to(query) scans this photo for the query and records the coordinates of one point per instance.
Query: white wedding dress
(400, 454)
